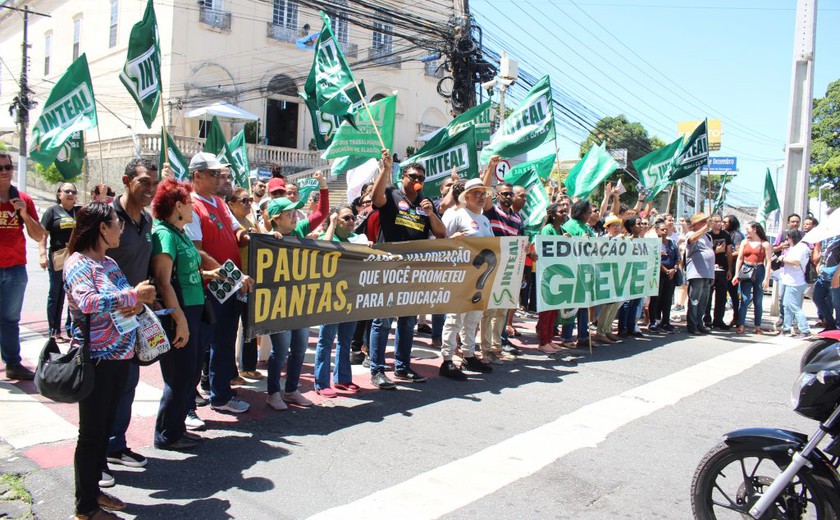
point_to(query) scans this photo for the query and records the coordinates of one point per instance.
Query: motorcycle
(769, 473)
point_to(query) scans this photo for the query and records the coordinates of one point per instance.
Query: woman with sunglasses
(58, 221)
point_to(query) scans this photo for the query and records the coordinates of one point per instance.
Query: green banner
(478, 116)
(458, 153)
(721, 197)
(654, 168)
(769, 202)
(307, 186)
(527, 127)
(330, 79)
(590, 171)
(304, 283)
(70, 160)
(530, 176)
(70, 108)
(141, 72)
(694, 154)
(326, 125)
(179, 164)
(238, 153)
(575, 272)
(361, 140)
(214, 138)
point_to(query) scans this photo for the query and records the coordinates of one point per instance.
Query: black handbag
(68, 377)
(747, 272)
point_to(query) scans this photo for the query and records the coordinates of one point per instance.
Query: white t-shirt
(469, 223)
(794, 275)
(193, 229)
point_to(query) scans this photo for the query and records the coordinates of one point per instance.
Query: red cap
(276, 184)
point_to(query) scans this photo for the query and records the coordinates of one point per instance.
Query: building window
(340, 24)
(112, 34)
(212, 13)
(77, 37)
(285, 13)
(383, 38)
(47, 52)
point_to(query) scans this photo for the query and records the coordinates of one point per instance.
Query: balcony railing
(214, 17)
(434, 69)
(350, 50)
(385, 58)
(281, 33)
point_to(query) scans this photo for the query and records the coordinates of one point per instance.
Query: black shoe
(703, 330)
(510, 349)
(408, 375)
(472, 364)
(181, 444)
(200, 400)
(193, 436)
(381, 381)
(720, 326)
(357, 357)
(448, 369)
(19, 372)
(205, 383)
(366, 362)
(636, 334)
(424, 328)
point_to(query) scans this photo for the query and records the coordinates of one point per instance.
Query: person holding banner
(660, 306)
(628, 315)
(699, 272)
(613, 226)
(577, 226)
(555, 216)
(404, 214)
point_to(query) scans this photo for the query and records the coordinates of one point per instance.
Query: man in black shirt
(722, 244)
(404, 214)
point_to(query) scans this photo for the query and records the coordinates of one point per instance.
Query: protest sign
(303, 283)
(574, 272)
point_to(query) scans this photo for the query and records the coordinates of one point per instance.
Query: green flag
(361, 140)
(527, 127)
(69, 108)
(307, 186)
(141, 72)
(330, 80)
(721, 195)
(237, 152)
(654, 168)
(458, 152)
(590, 171)
(179, 164)
(530, 176)
(214, 141)
(345, 164)
(695, 153)
(326, 125)
(71, 158)
(769, 203)
(478, 116)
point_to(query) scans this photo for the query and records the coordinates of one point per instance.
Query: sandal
(547, 349)
(347, 387)
(739, 329)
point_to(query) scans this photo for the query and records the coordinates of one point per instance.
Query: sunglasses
(246, 200)
(505, 193)
(7, 167)
(69, 192)
(348, 218)
(212, 173)
(415, 177)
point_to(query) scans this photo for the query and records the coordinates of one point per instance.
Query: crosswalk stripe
(25, 421)
(452, 486)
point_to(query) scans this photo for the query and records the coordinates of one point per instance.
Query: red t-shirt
(13, 248)
(218, 238)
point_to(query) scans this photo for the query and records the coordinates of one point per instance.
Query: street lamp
(827, 185)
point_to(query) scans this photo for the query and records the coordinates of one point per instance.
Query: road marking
(459, 483)
(25, 421)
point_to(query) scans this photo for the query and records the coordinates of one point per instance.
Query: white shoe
(193, 421)
(106, 480)
(232, 406)
(296, 398)
(276, 401)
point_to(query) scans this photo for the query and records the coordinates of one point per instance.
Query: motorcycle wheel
(729, 481)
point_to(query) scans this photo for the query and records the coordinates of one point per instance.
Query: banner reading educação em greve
(303, 283)
(575, 272)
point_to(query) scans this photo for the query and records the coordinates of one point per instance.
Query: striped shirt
(504, 224)
(98, 287)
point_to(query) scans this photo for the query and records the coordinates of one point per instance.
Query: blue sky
(730, 60)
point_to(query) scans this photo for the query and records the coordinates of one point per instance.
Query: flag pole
(668, 204)
(165, 133)
(370, 115)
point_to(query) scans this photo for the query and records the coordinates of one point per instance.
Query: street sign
(723, 164)
(501, 169)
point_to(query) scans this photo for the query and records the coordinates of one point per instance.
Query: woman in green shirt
(577, 226)
(545, 323)
(176, 269)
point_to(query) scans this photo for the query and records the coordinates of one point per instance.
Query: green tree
(825, 144)
(51, 175)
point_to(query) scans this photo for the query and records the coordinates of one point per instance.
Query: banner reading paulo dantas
(303, 283)
(574, 272)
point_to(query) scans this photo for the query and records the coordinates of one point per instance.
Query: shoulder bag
(69, 377)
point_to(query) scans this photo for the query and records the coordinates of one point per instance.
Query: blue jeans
(794, 294)
(699, 291)
(628, 316)
(823, 301)
(582, 319)
(751, 291)
(379, 331)
(116, 442)
(835, 302)
(291, 343)
(437, 326)
(12, 285)
(326, 336)
(223, 348)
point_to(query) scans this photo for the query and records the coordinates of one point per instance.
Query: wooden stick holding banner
(165, 144)
(370, 115)
(668, 204)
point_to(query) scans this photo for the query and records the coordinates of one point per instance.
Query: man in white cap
(699, 272)
(465, 221)
(218, 237)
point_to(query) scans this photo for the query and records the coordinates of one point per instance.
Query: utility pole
(798, 149)
(22, 103)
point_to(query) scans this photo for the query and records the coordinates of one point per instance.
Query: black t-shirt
(830, 255)
(720, 238)
(59, 223)
(400, 219)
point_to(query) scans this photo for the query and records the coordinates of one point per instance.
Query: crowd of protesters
(109, 258)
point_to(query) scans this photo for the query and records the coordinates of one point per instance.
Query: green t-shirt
(548, 229)
(337, 238)
(576, 229)
(168, 240)
(302, 229)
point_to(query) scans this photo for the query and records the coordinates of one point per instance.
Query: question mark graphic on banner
(486, 256)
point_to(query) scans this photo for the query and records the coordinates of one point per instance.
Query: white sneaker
(194, 422)
(276, 401)
(232, 406)
(296, 398)
(106, 480)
